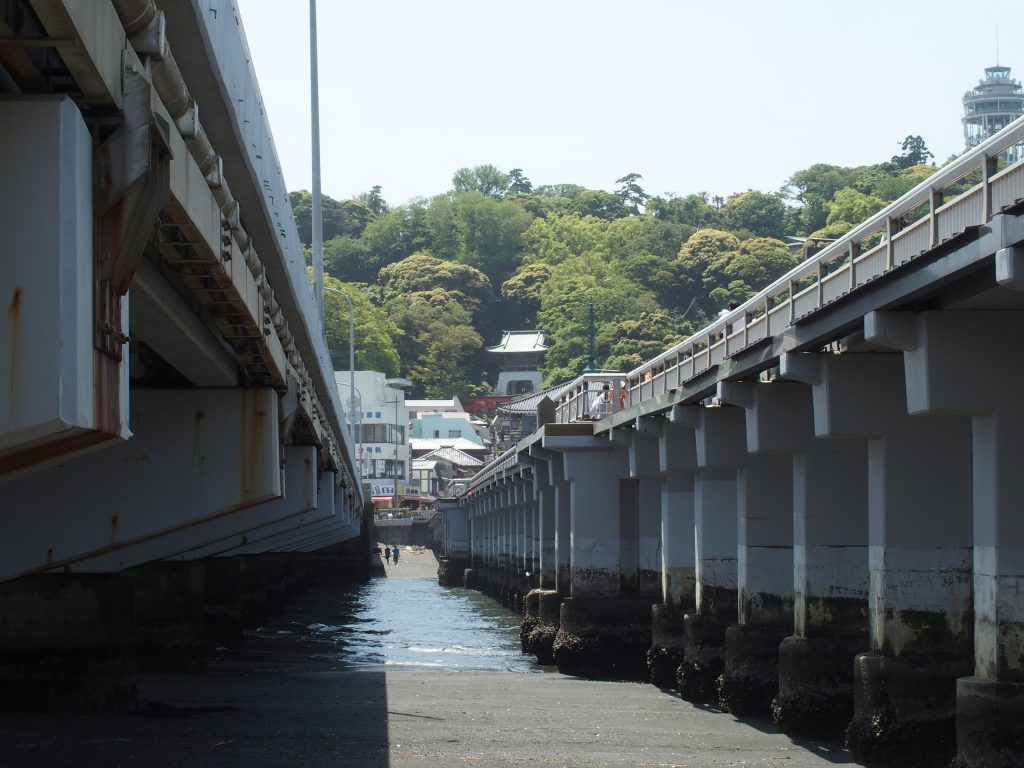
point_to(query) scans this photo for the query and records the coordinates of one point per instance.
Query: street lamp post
(351, 359)
(318, 222)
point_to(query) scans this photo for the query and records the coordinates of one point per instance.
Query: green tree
(522, 293)
(915, 152)
(420, 273)
(693, 211)
(518, 184)
(491, 234)
(703, 260)
(557, 237)
(444, 366)
(756, 212)
(485, 179)
(814, 189)
(646, 336)
(350, 259)
(375, 333)
(631, 194)
(851, 207)
(577, 282)
(340, 217)
(597, 203)
(373, 201)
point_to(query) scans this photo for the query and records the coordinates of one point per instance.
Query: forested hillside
(437, 280)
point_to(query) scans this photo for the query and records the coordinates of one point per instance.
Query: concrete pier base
(989, 716)
(815, 695)
(451, 571)
(603, 638)
(170, 615)
(750, 680)
(68, 642)
(667, 644)
(540, 624)
(703, 656)
(905, 710)
(223, 602)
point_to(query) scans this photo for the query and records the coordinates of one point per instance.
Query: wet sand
(288, 704)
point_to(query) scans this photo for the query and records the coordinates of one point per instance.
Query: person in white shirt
(601, 402)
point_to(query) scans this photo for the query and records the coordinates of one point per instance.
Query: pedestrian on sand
(387, 553)
(394, 553)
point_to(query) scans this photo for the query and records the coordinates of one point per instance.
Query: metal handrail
(841, 268)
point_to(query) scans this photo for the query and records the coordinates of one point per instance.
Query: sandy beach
(413, 563)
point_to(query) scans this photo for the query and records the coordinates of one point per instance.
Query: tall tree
(518, 184)
(632, 195)
(915, 152)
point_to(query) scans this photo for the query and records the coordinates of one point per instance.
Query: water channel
(398, 622)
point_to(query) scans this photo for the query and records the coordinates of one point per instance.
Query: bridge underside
(169, 424)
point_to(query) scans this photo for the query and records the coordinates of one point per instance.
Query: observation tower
(990, 106)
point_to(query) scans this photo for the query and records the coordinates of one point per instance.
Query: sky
(715, 96)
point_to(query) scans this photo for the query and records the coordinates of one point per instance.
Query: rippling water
(405, 623)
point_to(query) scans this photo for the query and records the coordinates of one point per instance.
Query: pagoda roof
(520, 341)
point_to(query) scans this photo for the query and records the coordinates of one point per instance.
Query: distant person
(601, 403)
(387, 554)
(394, 553)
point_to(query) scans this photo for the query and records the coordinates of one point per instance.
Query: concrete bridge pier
(68, 641)
(542, 602)
(676, 462)
(223, 601)
(918, 557)
(750, 680)
(170, 615)
(970, 362)
(715, 604)
(604, 629)
(830, 564)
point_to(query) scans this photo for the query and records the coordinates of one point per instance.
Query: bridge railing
(912, 225)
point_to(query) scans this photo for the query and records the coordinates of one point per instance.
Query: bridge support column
(715, 605)
(970, 363)
(170, 615)
(68, 642)
(223, 601)
(803, 674)
(764, 533)
(919, 561)
(830, 590)
(677, 462)
(602, 632)
(543, 604)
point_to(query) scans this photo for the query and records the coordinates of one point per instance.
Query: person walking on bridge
(387, 554)
(394, 553)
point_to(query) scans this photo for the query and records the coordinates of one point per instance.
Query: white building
(381, 432)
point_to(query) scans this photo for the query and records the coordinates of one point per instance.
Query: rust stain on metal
(14, 321)
(244, 539)
(251, 447)
(113, 528)
(49, 556)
